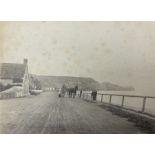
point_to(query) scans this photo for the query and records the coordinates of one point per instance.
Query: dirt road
(47, 113)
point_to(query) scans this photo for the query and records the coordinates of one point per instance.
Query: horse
(72, 92)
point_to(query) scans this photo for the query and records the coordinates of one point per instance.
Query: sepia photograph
(77, 77)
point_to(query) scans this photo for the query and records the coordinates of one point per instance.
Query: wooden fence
(144, 99)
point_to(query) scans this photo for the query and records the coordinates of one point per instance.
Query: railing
(88, 95)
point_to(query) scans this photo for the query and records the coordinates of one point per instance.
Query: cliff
(85, 83)
(57, 81)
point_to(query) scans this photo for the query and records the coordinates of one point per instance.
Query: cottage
(15, 75)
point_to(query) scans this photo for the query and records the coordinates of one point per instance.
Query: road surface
(46, 113)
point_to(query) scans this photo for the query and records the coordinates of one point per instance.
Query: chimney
(25, 62)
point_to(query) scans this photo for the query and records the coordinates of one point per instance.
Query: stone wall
(13, 92)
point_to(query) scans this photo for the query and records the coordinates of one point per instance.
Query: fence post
(101, 98)
(144, 103)
(122, 101)
(110, 99)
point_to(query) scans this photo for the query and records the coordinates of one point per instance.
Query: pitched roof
(12, 71)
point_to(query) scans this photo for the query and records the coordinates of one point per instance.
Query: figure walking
(94, 95)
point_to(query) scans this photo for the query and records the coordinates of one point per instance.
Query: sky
(119, 52)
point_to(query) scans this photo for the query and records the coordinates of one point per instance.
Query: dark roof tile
(12, 71)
